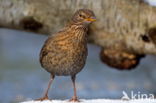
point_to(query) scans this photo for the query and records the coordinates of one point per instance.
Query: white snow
(151, 2)
(97, 101)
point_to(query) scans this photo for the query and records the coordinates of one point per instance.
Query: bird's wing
(52, 48)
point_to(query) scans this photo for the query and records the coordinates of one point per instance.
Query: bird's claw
(74, 99)
(43, 98)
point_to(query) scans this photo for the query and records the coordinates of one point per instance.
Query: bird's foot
(43, 98)
(74, 99)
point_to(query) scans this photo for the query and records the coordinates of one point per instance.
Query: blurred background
(22, 78)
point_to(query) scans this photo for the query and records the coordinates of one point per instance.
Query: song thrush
(65, 53)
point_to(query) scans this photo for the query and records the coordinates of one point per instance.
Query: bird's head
(84, 16)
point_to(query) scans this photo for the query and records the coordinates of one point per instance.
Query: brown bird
(65, 53)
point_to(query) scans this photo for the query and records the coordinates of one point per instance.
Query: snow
(97, 101)
(151, 2)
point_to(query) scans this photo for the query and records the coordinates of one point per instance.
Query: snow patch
(96, 101)
(151, 2)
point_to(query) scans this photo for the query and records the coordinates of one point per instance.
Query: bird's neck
(78, 32)
(81, 24)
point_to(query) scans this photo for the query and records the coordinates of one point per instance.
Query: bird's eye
(82, 16)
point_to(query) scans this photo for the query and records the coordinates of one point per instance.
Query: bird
(64, 53)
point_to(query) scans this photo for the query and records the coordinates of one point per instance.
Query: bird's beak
(91, 19)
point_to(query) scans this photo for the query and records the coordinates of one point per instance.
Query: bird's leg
(74, 98)
(45, 97)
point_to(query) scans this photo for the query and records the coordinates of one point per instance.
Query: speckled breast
(64, 58)
(73, 61)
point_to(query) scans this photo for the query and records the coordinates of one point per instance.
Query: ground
(97, 101)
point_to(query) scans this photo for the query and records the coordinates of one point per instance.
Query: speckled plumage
(65, 52)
